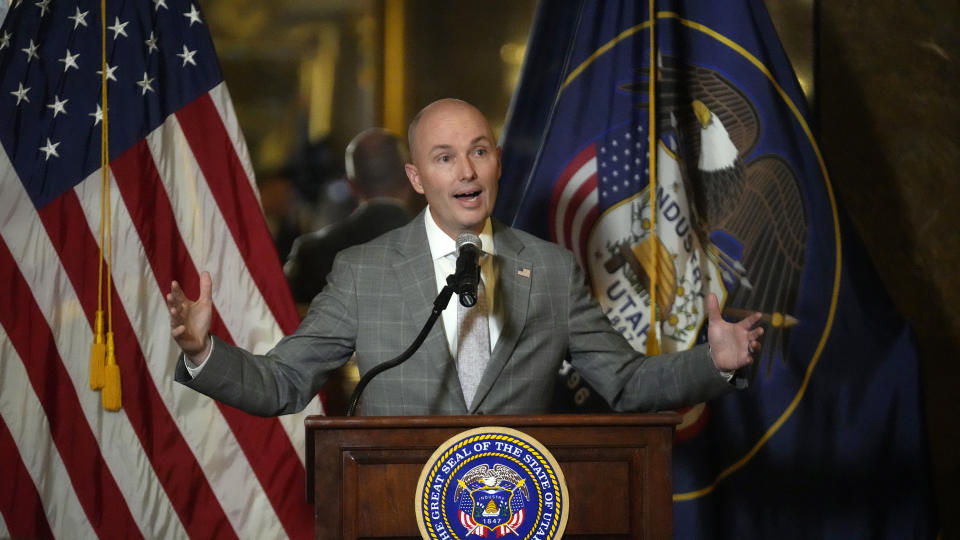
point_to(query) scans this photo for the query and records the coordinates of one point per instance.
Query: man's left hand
(733, 345)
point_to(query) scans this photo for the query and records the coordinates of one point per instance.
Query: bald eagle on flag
(747, 209)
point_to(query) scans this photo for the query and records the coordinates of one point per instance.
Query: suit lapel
(513, 297)
(415, 271)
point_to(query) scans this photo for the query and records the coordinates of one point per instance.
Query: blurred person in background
(282, 209)
(374, 162)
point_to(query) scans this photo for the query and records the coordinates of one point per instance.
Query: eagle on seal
(748, 209)
(484, 476)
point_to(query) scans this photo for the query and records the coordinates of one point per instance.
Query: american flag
(170, 463)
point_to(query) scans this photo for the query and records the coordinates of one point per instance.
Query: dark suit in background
(374, 162)
(311, 257)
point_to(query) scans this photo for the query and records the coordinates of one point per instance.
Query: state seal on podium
(492, 482)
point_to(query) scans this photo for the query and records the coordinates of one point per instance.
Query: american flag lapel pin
(523, 272)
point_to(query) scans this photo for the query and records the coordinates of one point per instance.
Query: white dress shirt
(443, 251)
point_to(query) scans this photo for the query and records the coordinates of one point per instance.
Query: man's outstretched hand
(732, 344)
(190, 321)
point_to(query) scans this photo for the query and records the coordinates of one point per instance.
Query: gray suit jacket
(380, 294)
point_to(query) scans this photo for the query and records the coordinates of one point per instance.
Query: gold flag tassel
(110, 396)
(98, 352)
(653, 346)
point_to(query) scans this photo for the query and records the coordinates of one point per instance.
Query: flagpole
(653, 347)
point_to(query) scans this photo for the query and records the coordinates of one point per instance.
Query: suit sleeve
(286, 378)
(627, 379)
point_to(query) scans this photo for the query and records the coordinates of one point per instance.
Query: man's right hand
(190, 321)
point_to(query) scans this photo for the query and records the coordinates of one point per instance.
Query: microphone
(467, 276)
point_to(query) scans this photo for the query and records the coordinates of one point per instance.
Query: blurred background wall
(880, 78)
(887, 104)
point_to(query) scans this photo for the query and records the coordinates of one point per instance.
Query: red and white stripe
(574, 204)
(472, 526)
(171, 463)
(509, 527)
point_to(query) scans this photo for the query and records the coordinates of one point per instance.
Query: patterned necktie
(473, 345)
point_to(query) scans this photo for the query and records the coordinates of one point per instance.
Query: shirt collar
(442, 245)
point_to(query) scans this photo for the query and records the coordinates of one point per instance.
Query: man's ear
(414, 176)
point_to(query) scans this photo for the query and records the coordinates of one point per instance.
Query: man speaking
(501, 356)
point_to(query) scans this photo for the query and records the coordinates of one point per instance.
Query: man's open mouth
(468, 195)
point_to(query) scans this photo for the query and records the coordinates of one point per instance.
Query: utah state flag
(673, 153)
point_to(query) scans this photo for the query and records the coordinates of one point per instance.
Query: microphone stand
(438, 306)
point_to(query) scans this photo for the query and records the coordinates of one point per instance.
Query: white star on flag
(79, 18)
(118, 28)
(187, 56)
(70, 61)
(193, 15)
(31, 51)
(97, 115)
(44, 6)
(110, 72)
(58, 106)
(50, 149)
(145, 84)
(21, 93)
(151, 43)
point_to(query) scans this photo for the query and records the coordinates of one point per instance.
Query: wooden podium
(362, 472)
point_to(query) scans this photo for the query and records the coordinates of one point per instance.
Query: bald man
(537, 310)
